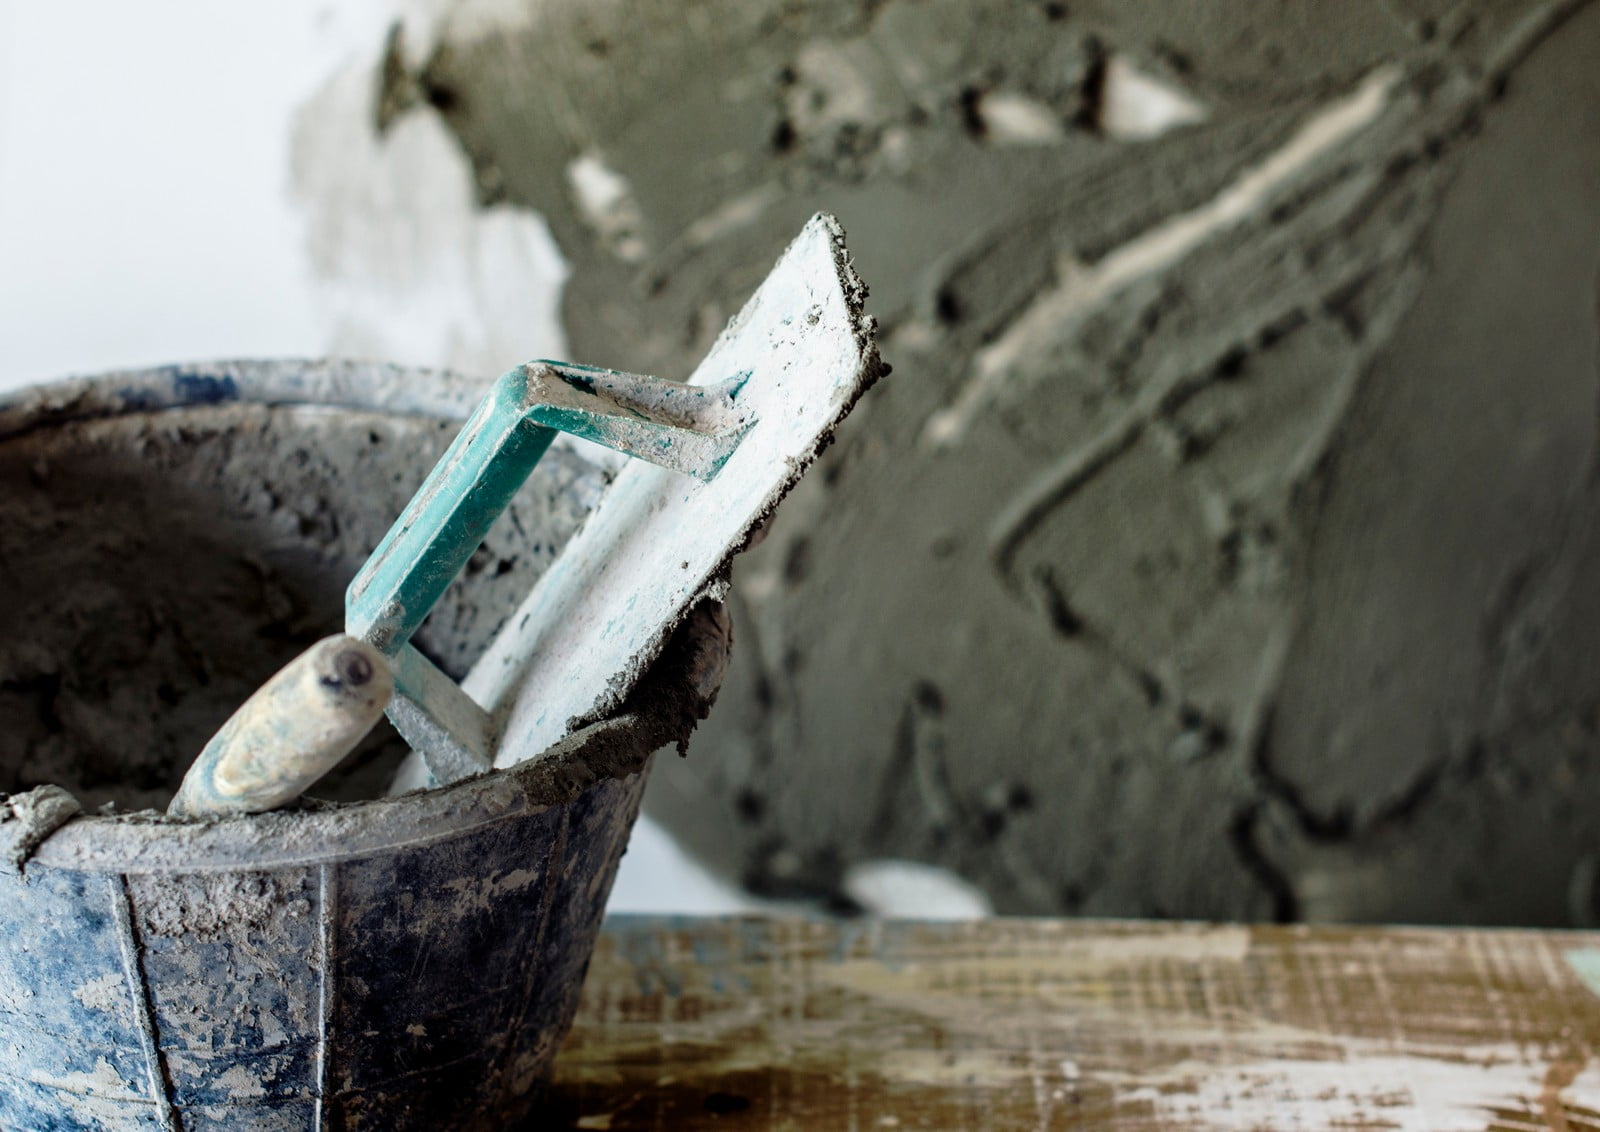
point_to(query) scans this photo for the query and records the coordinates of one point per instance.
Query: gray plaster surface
(1220, 546)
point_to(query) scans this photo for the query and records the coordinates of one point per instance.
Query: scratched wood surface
(1028, 1024)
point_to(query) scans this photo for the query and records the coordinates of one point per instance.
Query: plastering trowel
(713, 457)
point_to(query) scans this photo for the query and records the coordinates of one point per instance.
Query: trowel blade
(659, 540)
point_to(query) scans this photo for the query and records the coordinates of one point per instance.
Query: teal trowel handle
(447, 519)
(689, 428)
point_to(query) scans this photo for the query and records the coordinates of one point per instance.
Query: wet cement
(1249, 585)
(159, 566)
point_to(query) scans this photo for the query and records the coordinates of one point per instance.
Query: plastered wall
(1224, 542)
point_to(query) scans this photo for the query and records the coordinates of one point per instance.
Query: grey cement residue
(159, 566)
(26, 819)
(1220, 548)
(208, 907)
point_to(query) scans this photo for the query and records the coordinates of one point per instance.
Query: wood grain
(1033, 1024)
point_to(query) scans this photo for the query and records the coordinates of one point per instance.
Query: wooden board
(1031, 1024)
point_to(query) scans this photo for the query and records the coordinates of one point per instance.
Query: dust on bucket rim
(674, 694)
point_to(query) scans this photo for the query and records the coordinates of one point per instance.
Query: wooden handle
(296, 728)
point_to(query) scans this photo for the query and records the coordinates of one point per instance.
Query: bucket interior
(158, 566)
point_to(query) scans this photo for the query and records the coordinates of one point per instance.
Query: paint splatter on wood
(1055, 1024)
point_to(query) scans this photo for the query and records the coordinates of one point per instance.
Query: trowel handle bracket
(689, 428)
(692, 429)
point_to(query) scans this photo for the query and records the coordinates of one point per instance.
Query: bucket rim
(382, 387)
(151, 842)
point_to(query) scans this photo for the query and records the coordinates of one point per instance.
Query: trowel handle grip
(292, 731)
(447, 519)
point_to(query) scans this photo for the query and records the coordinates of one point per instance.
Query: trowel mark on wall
(912, 889)
(1349, 1090)
(1085, 286)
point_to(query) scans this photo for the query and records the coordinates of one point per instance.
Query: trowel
(709, 460)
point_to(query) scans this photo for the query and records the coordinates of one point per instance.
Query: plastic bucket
(168, 538)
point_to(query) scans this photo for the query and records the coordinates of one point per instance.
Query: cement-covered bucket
(168, 539)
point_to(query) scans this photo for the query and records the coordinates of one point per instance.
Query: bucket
(168, 539)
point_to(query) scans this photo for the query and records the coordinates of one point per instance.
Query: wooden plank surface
(1030, 1024)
